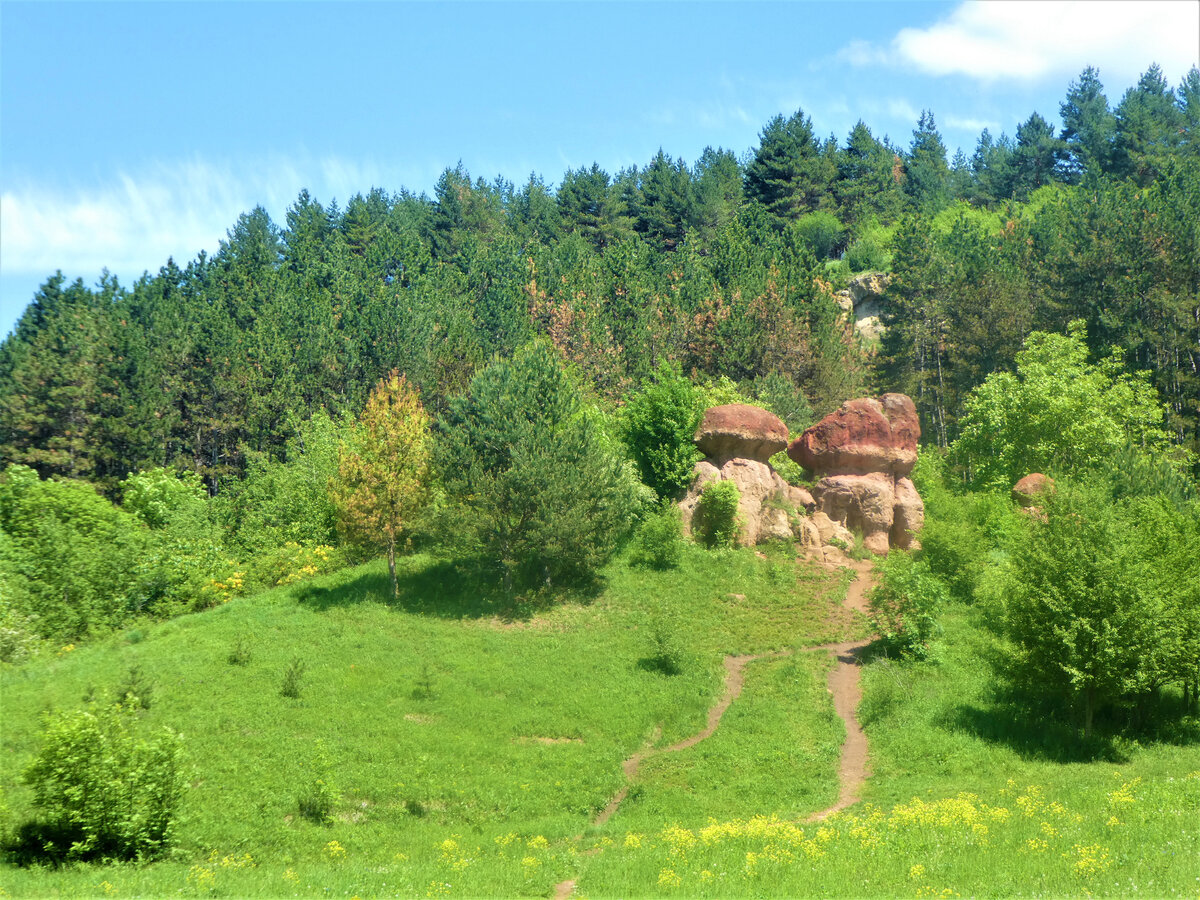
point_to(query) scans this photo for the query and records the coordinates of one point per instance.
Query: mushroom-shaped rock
(862, 436)
(1029, 490)
(740, 430)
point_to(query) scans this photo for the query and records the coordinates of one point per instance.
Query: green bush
(658, 425)
(317, 798)
(867, 254)
(716, 520)
(102, 789)
(822, 232)
(904, 607)
(159, 496)
(658, 543)
(69, 557)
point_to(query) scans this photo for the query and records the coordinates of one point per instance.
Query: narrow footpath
(843, 686)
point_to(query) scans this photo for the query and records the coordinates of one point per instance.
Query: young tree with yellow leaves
(383, 469)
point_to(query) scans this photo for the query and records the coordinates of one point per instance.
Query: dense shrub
(103, 789)
(658, 543)
(658, 424)
(904, 607)
(70, 557)
(716, 520)
(821, 231)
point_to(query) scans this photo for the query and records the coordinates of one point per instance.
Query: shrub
(102, 789)
(658, 425)
(658, 543)
(716, 520)
(904, 607)
(821, 231)
(317, 798)
(293, 677)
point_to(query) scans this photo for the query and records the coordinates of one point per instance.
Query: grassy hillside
(470, 748)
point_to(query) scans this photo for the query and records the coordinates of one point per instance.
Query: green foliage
(382, 481)
(716, 520)
(868, 253)
(658, 543)
(102, 788)
(318, 797)
(906, 605)
(69, 555)
(289, 500)
(822, 232)
(531, 492)
(1101, 600)
(658, 423)
(293, 679)
(1058, 413)
(159, 496)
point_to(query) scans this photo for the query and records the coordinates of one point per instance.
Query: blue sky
(132, 132)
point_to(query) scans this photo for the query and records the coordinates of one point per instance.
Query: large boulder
(861, 503)
(862, 436)
(740, 430)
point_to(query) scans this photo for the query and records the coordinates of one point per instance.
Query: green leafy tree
(382, 480)
(1057, 413)
(534, 492)
(1084, 626)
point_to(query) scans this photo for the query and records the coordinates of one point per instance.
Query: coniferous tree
(926, 174)
(785, 175)
(1089, 128)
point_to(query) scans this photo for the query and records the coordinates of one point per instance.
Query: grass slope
(468, 745)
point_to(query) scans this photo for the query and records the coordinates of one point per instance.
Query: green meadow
(468, 745)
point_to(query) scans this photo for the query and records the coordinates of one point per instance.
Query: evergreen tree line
(724, 268)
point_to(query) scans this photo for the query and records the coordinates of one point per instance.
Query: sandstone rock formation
(1030, 492)
(863, 453)
(737, 440)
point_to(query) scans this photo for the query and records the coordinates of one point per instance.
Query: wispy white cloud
(995, 39)
(967, 123)
(712, 115)
(134, 221)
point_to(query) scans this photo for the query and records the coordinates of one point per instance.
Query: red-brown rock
(1029, 490)
(740, 430)
(862, 436)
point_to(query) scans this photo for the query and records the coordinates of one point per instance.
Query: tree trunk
(392, 568)
(1088, 708)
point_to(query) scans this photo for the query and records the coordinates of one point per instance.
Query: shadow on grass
(1035, 729)
(448, 589)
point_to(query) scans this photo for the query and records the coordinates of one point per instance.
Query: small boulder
(1029, 490)
(740, 430)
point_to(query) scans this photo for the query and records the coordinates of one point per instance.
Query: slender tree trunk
(1088, 707)
(392, 567)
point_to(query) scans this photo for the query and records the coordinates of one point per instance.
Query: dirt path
(843, 685)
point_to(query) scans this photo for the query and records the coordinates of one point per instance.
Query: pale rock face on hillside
(863, 302)
(864, 452)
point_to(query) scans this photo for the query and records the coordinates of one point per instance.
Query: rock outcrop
(863, 301)
(864, 453)
(737, 441)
